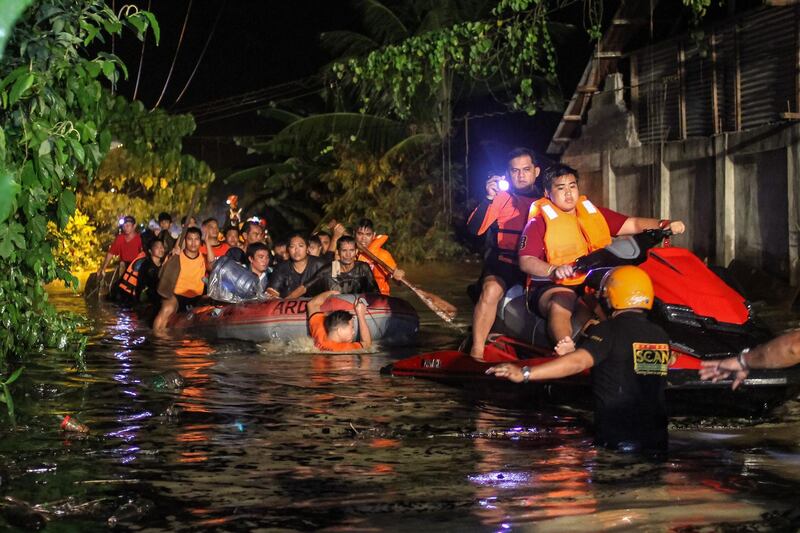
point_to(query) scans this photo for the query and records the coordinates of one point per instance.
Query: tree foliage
(145, 173)
(52, 104)
(514, 45)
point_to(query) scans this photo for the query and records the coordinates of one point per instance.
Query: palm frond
(278, 114)
(261, 171)
(382, 23)
(416, 142)
(562, 33)
(444, 15)
(309, 134)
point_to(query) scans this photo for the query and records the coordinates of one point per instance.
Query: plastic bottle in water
(169, 380)
(131, 511)
(70, 423)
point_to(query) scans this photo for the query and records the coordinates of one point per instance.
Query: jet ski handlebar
(628, 250)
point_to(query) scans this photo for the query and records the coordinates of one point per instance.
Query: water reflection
(285, 439)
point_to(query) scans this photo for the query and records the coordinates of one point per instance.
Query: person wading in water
(182, 279)
(629, 357)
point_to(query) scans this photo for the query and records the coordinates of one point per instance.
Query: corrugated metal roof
(743, 75)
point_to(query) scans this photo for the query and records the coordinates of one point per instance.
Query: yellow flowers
(76, 246)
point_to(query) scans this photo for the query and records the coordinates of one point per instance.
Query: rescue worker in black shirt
(299, 269)
(629, 357)
(346, 274)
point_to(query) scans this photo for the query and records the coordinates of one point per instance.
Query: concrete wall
(738, 193)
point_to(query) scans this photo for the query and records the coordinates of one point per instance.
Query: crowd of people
(535, 222)
(175, 268)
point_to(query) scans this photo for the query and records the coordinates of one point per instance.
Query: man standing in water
(182, 279)
(505, 213)
(345, 275)
(629, 358)
(126, 245)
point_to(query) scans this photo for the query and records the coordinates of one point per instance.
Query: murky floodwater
(262, 439)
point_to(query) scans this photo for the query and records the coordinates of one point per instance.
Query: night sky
(259, 44)
(255, 45)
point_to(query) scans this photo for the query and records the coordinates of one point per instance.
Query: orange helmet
(627, 287)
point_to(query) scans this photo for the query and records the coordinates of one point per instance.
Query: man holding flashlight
(503, 213)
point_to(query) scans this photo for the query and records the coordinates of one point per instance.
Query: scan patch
(650, 359)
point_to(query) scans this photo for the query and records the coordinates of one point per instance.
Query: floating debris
(70, 423)
(131, 511)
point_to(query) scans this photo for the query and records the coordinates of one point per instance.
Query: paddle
(444, 310)
(190, 214)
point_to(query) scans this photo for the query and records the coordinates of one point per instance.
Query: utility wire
(258, 102)
(206, 119)
(228, 100)
(141, 57)
(175, 57)
(210, 35)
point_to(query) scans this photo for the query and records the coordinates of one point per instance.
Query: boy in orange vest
(564, 226)
(366, 238)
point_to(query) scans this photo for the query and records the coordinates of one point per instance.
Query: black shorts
(184, 302)
(538, 288)
(508, 272)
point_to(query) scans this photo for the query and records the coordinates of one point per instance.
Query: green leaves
(22, 84)
(52, 102)
(11, 236)
(141, 20)
(412, 75)
(6, 397)
(9, 13)
(66, 206)
(9, 189)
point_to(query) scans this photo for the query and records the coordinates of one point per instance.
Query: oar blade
(442, 308)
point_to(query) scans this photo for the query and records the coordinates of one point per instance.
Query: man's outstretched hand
(722, 369)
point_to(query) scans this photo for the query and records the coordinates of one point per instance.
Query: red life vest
(130, 279)
(569, 236)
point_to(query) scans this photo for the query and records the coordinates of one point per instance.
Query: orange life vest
(510, 211)
(380, 275)
(569, 236)
(190, 280)
(130, 279)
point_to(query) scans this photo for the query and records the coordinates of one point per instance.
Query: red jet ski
(704, 317)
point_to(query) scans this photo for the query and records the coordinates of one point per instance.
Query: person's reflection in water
(532, 473)
(192, 361)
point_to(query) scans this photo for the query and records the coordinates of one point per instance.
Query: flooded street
(266, 438)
